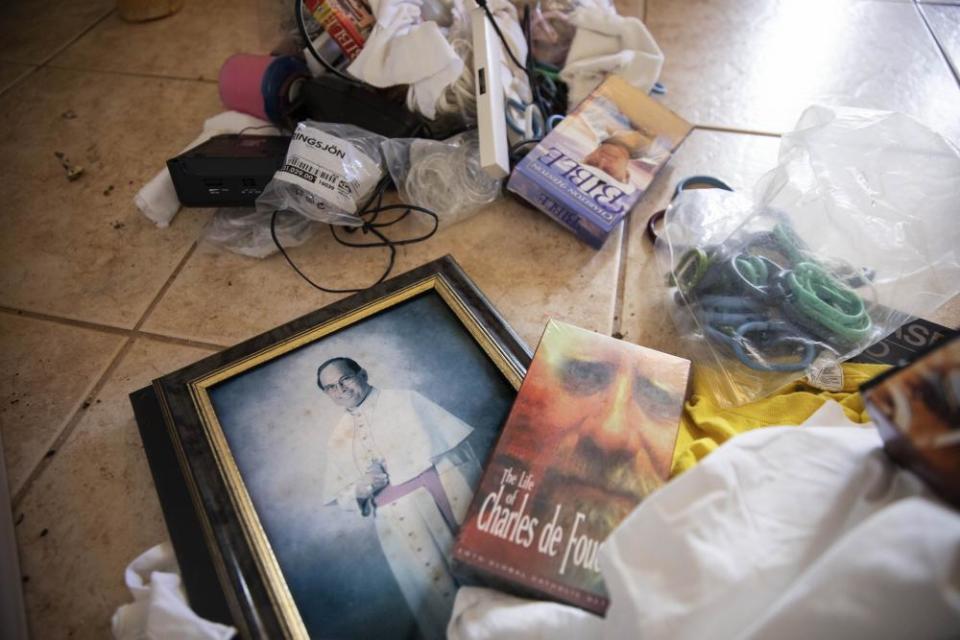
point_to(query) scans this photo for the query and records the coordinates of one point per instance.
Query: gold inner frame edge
(279, 592)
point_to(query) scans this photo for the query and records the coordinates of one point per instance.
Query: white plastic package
(329, 172)
(854, 232)
(443, 176)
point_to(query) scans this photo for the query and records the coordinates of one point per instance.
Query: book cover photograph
(591, 169)
(591, 433)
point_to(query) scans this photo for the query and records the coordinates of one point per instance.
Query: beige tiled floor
(33, 33)
(526, 265)
(80, 249)
(95, 301)
(94, 507)
(755, 64)
(12, 72)
(47, 371)
(178, 46)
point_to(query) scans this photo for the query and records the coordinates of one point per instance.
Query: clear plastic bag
(443, 176)
(551, 30)
(854, 232)
(329, 171)
(247, 232)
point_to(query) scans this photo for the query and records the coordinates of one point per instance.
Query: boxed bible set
(593, 167)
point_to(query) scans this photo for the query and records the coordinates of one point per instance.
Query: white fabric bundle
(782, 532)
(159, 608)
(605, 43)
(403, 49)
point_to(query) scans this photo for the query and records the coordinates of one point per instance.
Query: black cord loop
(369, 214)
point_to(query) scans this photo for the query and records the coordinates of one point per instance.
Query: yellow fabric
(704, 426)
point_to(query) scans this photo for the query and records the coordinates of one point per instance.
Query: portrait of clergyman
(361, 452)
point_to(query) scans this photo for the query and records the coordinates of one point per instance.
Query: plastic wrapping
(443, 176)
(329, 171)
(551, 30)
(854, 232)
(247, 232)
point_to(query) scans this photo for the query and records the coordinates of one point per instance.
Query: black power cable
(370, 226)
(483, 5)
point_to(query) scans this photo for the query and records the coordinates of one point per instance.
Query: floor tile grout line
(183, 342)
(106, 328)
(79, 412)
(75, 39)
(936, 41)
(621, 278)
(73, 322)
(166, 286)
(131, 74)
(19, 81)
(43, 64)
(748, 132)
(70, 425)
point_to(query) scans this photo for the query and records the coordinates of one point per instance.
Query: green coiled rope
(824, 305)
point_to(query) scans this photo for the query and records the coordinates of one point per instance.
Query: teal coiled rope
(825, 306)
(774, 298)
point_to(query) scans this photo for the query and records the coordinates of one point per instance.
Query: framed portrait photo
(331, 461)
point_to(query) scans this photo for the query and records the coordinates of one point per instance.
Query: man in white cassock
(402, 460)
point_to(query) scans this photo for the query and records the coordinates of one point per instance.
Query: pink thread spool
(241, 82)
(263, 86)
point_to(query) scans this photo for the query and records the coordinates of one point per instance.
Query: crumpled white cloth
(484, 614)
(606, 43)
(158, 199)
(403, 49)
(780, 533)
(159, 609)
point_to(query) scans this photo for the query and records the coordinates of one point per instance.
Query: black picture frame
(255, 589)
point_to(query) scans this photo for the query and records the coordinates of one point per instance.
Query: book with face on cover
(591, 433)
(593, 167)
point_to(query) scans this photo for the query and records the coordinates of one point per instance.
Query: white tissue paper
(159, 608)
(403, 49)
(782, 532)
(605, 43)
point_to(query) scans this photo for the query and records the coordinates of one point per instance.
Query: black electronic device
(227, 170)
(332, 99)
